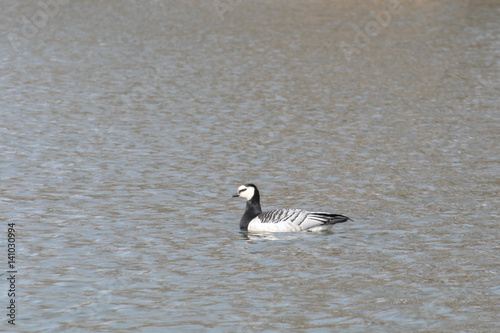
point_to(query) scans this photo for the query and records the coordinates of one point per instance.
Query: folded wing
(294, 220)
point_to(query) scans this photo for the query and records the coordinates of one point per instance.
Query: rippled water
(126, 126)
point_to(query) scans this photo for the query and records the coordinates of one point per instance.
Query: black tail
(335, 218)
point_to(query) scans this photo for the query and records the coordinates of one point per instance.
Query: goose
(281, 220)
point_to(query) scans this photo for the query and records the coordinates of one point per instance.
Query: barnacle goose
(281, 220)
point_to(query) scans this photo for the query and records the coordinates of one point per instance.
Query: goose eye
(243, 190)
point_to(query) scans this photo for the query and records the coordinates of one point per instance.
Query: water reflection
(276, 236)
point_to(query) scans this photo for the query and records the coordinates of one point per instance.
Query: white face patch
(246, 192)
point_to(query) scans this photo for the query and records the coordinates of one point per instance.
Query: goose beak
(236, 195)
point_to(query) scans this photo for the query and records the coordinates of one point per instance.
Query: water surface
(127, 126)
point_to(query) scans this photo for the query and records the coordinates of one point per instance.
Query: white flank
(256, 225)
(321, 228)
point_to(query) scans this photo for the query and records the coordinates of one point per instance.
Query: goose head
(246, 191)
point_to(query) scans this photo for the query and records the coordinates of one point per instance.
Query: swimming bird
(281, 220)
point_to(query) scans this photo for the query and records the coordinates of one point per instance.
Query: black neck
(251, 211)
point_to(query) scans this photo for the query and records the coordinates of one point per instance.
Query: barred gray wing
(294, 216)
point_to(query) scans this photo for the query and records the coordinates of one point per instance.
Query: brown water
(126, 126)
